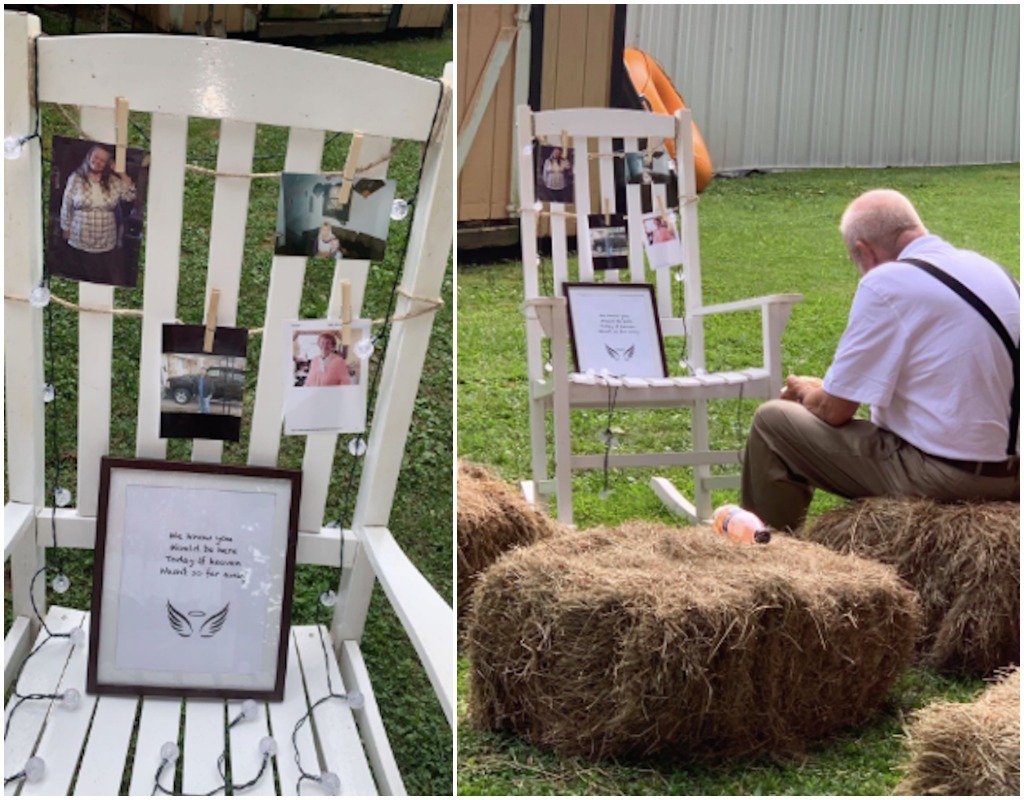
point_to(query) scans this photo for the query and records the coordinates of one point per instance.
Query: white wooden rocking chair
(241, 84)
(592, 134)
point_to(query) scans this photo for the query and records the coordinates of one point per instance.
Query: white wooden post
(429, 247)
(23, 270)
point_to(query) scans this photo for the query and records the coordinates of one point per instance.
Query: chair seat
(89, 750)
(587, 390)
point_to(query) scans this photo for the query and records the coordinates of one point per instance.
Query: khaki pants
(790, 453)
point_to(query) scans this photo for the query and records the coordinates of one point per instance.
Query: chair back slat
(95, 344)
(581, 169)
(235, 148)
(608, 196)
(559, 247)
(320, 449)
(163, 244)
(287, 274)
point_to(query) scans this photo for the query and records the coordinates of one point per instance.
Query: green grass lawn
(422, 517)
(760, 234)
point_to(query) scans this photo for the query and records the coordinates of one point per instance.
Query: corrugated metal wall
(789, 86)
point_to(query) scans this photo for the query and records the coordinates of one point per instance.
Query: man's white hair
(879, 217)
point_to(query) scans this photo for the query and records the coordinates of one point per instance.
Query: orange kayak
(658, 94)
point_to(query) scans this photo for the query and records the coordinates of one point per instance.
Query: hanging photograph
(202, 392)
(94, 230)
(609, 241)
(325, 379)
(615, 327)
(554, 182)
(192, 580)
(650, 170)
(648, 167)
(318, 219)
(661, 240)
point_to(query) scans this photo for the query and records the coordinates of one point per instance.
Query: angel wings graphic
(209, 625)
(621, 353)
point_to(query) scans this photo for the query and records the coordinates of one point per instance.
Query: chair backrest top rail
(214, 78)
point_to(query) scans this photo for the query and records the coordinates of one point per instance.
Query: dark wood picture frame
(284, 485)
(575, 334)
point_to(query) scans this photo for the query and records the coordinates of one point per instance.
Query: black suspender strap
(1004, 335)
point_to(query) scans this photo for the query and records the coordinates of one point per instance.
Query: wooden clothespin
(211, 321)
(607, 214)
(350, 167)
(121, 142)
(661, 208)
(346, 312)
(565, 143)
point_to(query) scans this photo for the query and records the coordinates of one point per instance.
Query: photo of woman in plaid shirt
(91, 197)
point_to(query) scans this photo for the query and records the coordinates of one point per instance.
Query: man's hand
(797, 386)
(809, 393)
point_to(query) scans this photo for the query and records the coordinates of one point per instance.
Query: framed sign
(192, 580)
(615, 326)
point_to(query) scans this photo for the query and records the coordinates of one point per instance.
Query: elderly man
(923, 347)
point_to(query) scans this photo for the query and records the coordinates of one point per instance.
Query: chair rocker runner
(90, 749)
(597, 139)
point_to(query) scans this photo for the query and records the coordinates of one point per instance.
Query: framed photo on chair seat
(192, 581)
(615, 327)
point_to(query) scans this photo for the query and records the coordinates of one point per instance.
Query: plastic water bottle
(740, 526)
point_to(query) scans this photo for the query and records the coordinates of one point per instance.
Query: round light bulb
(329, 599)
(61, 496)
(268, 746)
(250, 709)
(538, 206)
(683, 363)
(355, 699)
(364, 348)
(71, 699)
(49, 392)
(604, 494)
(12, 147)
(399, 209)
(169, 752)
(528, 150)
(77, 636)
(39, 297)
(331, 783)
(678, 274)
(549, 367)
(61, 583)
(357, 446)
(35, 769)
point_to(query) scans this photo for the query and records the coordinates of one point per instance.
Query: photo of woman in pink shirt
(330, 367)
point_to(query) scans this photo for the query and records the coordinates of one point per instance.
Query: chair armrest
(426, 617)
(19, 519)
(748, 304)
(543, 310)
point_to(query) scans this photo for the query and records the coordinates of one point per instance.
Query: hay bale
(650, 638)
(967, 748)
(492, 518)
(962, 558)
